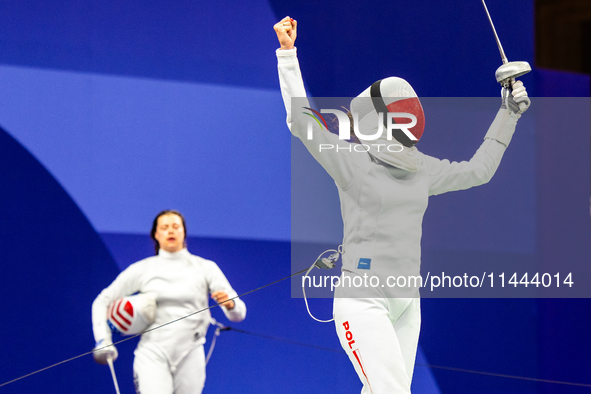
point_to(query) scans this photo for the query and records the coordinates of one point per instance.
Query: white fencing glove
(102, 351)
(517, 100)
(514, 103)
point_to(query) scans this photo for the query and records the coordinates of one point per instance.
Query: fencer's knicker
(380, 336)
(170, 359)
(382, 207)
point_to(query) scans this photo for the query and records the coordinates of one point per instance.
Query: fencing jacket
(181, 283)
(383, 206)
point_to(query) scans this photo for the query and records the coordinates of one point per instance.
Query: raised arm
(446, 176)
(341, 162)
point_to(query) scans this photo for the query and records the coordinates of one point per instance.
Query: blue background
(111, 112)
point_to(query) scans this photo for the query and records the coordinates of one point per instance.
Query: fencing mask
(391, 94)
(132, 314)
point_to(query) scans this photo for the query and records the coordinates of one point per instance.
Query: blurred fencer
(169, 286)
(383, 195)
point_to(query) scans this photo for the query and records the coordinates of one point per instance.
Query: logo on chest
(364, 264)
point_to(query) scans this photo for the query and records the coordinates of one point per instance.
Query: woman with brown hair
(169, 359)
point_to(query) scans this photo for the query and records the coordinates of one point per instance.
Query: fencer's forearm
(290, 79)
(503, 126)
(445, 176)
(126, 283)
(100, 328)
(217, 281)
(292, 85)
(338, 162)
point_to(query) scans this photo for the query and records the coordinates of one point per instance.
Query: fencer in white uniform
(383, 198)
(171, 358)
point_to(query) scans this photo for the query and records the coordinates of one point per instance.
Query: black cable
(151, 329)
(227, 328)
(500, 375)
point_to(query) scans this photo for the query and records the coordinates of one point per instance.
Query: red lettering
(348, 334)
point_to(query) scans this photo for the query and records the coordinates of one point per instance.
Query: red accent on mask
(412, 106)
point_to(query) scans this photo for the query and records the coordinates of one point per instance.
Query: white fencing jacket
(383, 206)
(181, 283)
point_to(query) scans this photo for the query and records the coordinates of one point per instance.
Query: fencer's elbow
(482, 175)
(96, 303)
(100, 302)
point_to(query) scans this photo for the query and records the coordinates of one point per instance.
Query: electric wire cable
(326, 263)
(151, 329)
(221, 327)
(501, 375)
(291, 342)
(471, 371)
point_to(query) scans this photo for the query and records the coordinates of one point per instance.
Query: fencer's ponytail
(155, 226)
(352, 135)
(334, 124)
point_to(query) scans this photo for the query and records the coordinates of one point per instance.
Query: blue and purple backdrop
(112, 111)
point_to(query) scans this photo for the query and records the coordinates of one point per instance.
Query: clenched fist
(516, 100)
(221, 297)
(286, 30)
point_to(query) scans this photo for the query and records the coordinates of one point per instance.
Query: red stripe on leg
(358, 357)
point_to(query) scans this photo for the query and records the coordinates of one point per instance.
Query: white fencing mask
(391, 94)
(132, 314)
